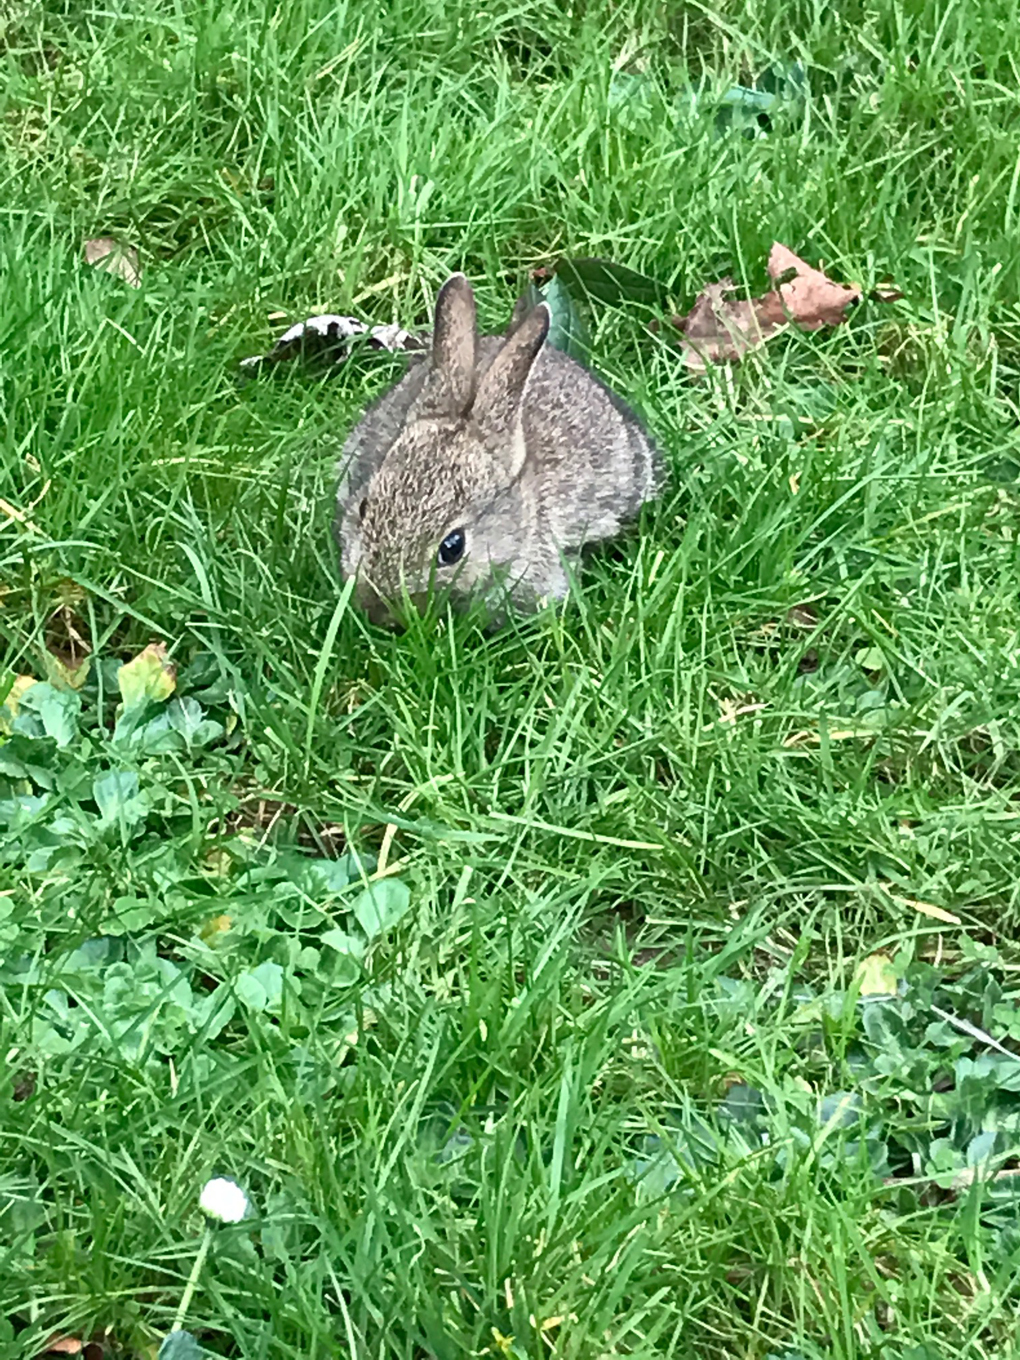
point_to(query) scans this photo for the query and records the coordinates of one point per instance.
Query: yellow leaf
(12, 512)
(149, 675)
(216, 925)
(218, 862)
(930, 909)
(21, 684)
(877, 976)
(62, 676)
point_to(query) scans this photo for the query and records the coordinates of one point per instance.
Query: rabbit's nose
(373, 604)
(380, 615)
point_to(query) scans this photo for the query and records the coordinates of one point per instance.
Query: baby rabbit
(490, 462)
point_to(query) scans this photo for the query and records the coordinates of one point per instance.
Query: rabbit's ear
(498, 398)
(522, 307)
(454, 335)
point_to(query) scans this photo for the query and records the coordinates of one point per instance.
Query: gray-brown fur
(502, 437)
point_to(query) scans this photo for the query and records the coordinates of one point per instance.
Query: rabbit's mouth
(375, 605)
(379, 613)
(384, 612)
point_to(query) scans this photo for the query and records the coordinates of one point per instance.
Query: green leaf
(180, 1346)
(988, 1072)
(788, 80)
(633, 99)
(743, 1103)
(185, 716)
(306, 958)
(21, 1214)
(20, 757)
(56, 709)
(321, 878)
(870, 659)
(980, 1148)
(251, 992)
(129, 916)
(944, 1161)
(44, 857)
(344, 943)
(656, 1174)
(882, 1025)
(342, 968)
(261, 988)
(609, 282)
(567, 331)
(840, 1110)
(118, 799)
(742, 97)
(381, 906)
(941, 1034)
(270, 975)
(626, 86)
(146, 735)
(750, 109)
(215, 1011)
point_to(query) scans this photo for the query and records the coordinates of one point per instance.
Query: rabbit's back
(594, 462)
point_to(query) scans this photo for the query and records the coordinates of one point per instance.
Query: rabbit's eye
(361, 509)
(451, 549)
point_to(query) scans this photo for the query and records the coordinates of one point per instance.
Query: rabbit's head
(447, 508)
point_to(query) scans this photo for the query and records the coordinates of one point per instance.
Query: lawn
(641, 979)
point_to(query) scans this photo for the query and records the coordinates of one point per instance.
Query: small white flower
(223, 1200)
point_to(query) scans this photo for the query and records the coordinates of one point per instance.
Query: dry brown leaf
(63, 1345)
(963, 1180)
(810, 299)
(721, 329)
(106, 253)
(24, 1085)
(68, 646)
(641, 958)
(802, 616)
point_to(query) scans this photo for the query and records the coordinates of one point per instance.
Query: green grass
(648, 838)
